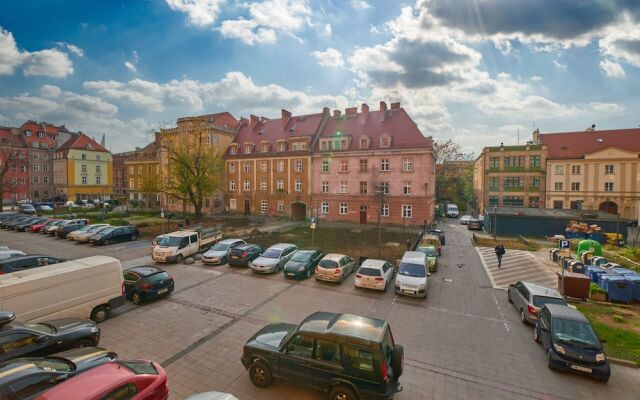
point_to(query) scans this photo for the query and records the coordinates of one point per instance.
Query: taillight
(337, 271)
(145, 286)
(379, 278)
(244, 254)
(383, 369)
(532, 310)
(317, 269)
(171, 277)
(358, 276)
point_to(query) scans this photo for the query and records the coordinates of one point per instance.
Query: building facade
(142, 175)
(14, 165)
(120, 174)
(510, 176)
(370, 164)
(41, 140)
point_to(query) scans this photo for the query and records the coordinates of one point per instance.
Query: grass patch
(619, 327)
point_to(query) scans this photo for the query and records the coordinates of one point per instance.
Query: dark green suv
(348, 356)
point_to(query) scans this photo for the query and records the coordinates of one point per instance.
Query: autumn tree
(454, 173)
(195, 166)
(151, 185)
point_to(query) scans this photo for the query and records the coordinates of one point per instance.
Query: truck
(176, 246)
(452, 211)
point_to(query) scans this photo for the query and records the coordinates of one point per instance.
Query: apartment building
(142, 174)
(41, 140)
(14, 164)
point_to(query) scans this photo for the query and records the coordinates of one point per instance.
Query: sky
(479, 72)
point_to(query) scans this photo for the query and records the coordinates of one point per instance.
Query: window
(265, 147)
(84, 180)
(132, 183)
(493, 201)
(384, 187)
(406, 188)
(247, 184)
(327, 351)
(247, 148)
(264, 206)
(535, 182)
(325, 166)
(34, 145)
(280, 206)
(232, 184)
(232, 204)
(494, 162)
(280, 166)
(364, 165)
(384, 165)
(280, 184)
(36, 167)
(282, 146)
(558, 204)
(384, 211)
(558, 186)
(298, 186)
(608, 186)
(364, 143)
(344, 166)
(324, 207)
(84, 156)
(140, 169)
(13, 167)
(608, 169)
(99, 169)
(364, 187)
(344, 188)
(534, 201)
(575, 205)
(233, 149)
(407, 165)
(232, 167)
(300, 346)
(575, 186)
(407, 211)
(35, 156)
(534, 161)
(83, 168)
(27, 133)
(514, 162)
(344, 208)
(385, 141)
(263, 185)
(36, 179)
(45, 179)
(494, 183)
(513, 201)
(297, 146)
(360, 359)
(325, 187)
(98, 157)
(98, 180)
(131, 170)
(30, 385)
(298, 165)
(246, 166)
(325, 145)
(575, 170)
(512, 182)
(559, 169)
(124, 392)
(263, 166)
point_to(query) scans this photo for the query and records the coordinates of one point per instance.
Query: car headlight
(558, 348)
(600, 357)
(422, 286)
(95, 329)
(300, 269)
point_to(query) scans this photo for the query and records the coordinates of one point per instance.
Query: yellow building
(142, 175)
(83, 170)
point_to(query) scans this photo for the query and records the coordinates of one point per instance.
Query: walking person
(499, 253)
(408, 244)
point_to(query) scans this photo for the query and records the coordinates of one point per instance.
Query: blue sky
(477, 71)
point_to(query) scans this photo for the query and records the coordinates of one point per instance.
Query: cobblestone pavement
(517, 265)
(463, 342)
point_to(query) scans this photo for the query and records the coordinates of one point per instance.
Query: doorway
(363, 215)
(609, 207)
(298, 211)
(247, 207)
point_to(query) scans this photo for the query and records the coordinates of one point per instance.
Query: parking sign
(564, 244)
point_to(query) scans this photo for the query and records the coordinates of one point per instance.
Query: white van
(411, 279)
(452, 211)
(85, 288)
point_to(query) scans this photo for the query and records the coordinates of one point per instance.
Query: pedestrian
(499, 253)
(425, 225)
(187, 221)
(408, 244)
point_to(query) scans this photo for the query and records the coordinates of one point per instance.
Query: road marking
(504, 320)
(484, 264)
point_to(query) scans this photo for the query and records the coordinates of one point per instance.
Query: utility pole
(379, 219)
(495, 222)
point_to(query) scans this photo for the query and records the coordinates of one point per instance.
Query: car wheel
(136, 298)
(549, 364)
(341, 279)
(509, 296)
(342, 393)
(536, 334)
(523, 319)
(179, 258)
(100, 314)
(260, 374)
(134, 237)
(397, 359)
(82, 343)
(223, 260)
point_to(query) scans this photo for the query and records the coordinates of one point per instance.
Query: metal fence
(512, 243)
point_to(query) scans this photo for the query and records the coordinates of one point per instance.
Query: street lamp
(381, 192)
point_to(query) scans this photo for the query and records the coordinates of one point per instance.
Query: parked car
(219, 253)
(570, 342)
(349, 356)
(115, 234)
(335, 268)
(411, 279)
(474, 224)
(146, 283)
(273, 259)
(46, 230)
(38, 227)
(432, 256)
(11, 223)
(44, 207)
(25, 378)
(90, 229)
(374, 274)
(529, 297)
(63, 231)
(41, 339)
(243, 254)
(302, 264)
(464, 220)
(21, 263)
(27, 208)
(439, 233)
(26, 225)
(433, 240)
(53, 231)
(85, 236)
(8, 253)
(117, 380)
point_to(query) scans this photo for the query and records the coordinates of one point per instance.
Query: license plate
(290, 274)
(234, 257)
(410, 291)
(162, 291)
(580, 368)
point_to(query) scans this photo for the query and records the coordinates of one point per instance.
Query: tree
(150, 185)
(195, 167)
(454, 173)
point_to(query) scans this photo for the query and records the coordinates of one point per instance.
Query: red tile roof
(563, 145)
(222, 119)
(8, 138)
(80, 142)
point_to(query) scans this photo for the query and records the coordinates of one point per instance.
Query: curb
(624, 363)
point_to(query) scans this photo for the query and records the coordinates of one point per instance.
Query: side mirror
(41, 338)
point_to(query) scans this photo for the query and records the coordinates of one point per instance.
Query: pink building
(373, 162)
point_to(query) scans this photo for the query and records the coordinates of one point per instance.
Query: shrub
(618, 318)
(596, 289)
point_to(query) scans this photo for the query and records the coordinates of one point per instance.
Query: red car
(131, 380)
(38, 227)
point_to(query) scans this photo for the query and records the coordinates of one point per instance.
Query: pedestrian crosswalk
(517, 265)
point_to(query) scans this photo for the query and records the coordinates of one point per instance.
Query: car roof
(281, 246)
(307, 250)
(565, 312)
(145, 270)
(333, 257)
(245, 246)
(229, 241)
(344, 325)
(539, 290)
(372, 263)
(28, 257)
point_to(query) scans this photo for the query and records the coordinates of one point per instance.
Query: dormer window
(247, 148)
(364, 142)
(89, 146)
(41, 135)
(233, 149)
(385, 140)
(265, 147)
(282, 146)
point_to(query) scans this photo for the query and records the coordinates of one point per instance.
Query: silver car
(334, 268)
(219, 252)
(84, 236)
(529, 297)
(273, 259)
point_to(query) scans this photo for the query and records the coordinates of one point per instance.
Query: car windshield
(157, 277)
(86, 228)
(328, 264)
(54, 364)
(575, 332)
(220, 247)
(102, 229)
(170, 241)
(302, 256)
(369, 271)
(271, 253)
(41, 328)
(428, 251)
(408, 269)
(539, 301)
(140, 367)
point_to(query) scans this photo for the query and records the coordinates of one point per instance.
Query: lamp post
(381, 192)
(495, 221)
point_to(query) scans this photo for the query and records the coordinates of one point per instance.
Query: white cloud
(329, 58)
(360, 4)
(199, 13)
(535, 78)
(49, 62)
(612, 69)
(131, 66)
(10, 57)
(50, 91)
(606, 107)
(72, 48)
(559, 65)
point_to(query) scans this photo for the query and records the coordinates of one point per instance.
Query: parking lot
(463, 342)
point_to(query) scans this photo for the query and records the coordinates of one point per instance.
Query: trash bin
(635, 281)
(598, 275)
(591, 271)
(553, 254)
(610, 265)
(622, 271)
(566, 261)
(598, 261)
(575, 285)
(618, 287)
(576, 266)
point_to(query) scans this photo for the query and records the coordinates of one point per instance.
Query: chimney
(365, 110)
(156, 137)
(254, 121)
(336, 113)
(535, 138)
(325, 110)
(351, 111)
(383, 107)
(395, 106)
(286, 116)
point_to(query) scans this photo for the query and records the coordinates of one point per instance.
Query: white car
(464, 220)
(374, 274)
(411, 279)
(273, 259)
(45, 208)
(334, 268)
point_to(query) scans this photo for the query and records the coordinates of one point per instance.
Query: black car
(570, 342)
(16, 223)
(243, 254)
(45, 338)
(15, 264)
(63, 231)
(25, 378)
(115, 234)
(302, 264)
(146, 283)
(439, 233)
(11, 222)
(349, 356)
(24, 226)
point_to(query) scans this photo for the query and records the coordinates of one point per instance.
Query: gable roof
(572, 145)
(80, 142)
(222, 119)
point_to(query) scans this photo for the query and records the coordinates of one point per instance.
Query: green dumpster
(593, 247)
